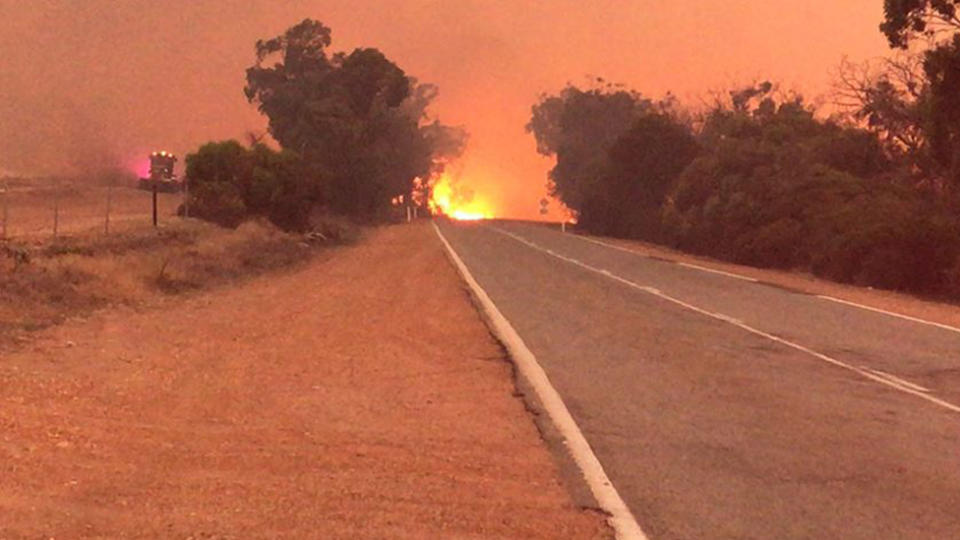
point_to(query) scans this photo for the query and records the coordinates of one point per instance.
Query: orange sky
(84, 80)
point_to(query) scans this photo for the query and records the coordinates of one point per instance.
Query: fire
(455, 203)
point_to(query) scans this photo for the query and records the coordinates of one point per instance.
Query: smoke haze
(97, 84)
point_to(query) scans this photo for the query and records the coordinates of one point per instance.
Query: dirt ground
(906, 304)
(361, 397)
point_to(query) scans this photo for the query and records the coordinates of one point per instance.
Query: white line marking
(730, 320)
(750, 279)
(687, 265)
(621, 519)
(891, 313)
(715, 271)
(898, 380)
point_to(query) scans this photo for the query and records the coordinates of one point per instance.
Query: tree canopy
(759, 177)
(358, 122)
(906, 20)
(616, 152)
(579, 127)
(935, 23)
(230, 183)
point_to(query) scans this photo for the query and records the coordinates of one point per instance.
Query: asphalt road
(724, 408)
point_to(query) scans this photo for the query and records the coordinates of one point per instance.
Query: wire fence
(50, 209)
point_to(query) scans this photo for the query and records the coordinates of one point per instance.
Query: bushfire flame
(445, 199)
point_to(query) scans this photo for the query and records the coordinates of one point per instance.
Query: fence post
(106, 219)
(56, 208)
(186, 197)
(6, 208)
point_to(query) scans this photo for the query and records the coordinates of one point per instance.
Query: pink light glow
(139, 166)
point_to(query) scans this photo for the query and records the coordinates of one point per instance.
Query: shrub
(230, 184)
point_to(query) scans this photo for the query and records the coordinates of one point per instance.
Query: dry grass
(360, 396)
(82, 205)
(44, 282)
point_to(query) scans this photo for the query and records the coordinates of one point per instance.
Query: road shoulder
(359, 397)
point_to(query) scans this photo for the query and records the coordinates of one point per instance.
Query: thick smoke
(89, 84)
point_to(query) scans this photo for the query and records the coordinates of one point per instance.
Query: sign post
(154, 202)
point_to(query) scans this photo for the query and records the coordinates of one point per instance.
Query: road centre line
(721, 272)
(684, 264)
(908, 388)
(898, 380)
(750, 279)
(621, 518)
(891, 313)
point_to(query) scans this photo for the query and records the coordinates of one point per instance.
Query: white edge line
(678, 263)
(621, 518)
(730, 320)
(890, 313)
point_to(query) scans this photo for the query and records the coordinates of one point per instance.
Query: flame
(447, 200)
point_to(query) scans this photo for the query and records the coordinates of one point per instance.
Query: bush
(230, 184)
(889, 238)
(836, 225)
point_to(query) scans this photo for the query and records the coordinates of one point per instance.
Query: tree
(907, 20)
(644, 162)
(579, 127)
(769, 172)
(891, 98)
(937, 23)
(356, 119)
(942, 67)
(617, 154)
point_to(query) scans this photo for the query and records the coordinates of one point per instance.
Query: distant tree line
(868, 196)
(355, 137)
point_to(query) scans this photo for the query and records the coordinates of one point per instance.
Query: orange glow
(489, 58)
(447, 199)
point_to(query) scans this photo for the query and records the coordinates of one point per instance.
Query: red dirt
(359, 397)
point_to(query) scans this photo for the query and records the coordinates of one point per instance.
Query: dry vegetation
(44, 282)
(323, 402)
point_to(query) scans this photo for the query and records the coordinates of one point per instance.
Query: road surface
(725, 408)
